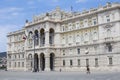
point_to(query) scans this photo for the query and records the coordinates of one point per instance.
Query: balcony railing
(109, 39)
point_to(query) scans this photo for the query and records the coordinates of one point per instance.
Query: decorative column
(33, 62)
(47, 63)
(39, 62)
(47, 34)
(46, 38)
(47, 60)
(57, 36)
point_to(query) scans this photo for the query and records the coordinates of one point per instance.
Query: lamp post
(35, 64)
(34, 70)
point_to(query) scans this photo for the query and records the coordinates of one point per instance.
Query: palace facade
(67, 41)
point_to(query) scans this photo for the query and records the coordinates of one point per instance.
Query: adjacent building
(67, 41)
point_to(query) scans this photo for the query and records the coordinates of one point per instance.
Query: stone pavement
(10, 75)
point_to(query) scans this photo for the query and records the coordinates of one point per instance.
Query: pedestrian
(60, 70)
(88, 69)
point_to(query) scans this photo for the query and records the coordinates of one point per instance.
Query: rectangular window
(22, 55)
(18, 64)
(19, 55)
(70, 51)
(22, 64)
(63, 62)
(94, 21)
(110, 61)
(15, 56)
(71, 63)
(87, 62)
(108, 18)
(9, 64)
(63, 52)
(9, 56)
(78, 62)
(78, 50)
(96, 62)
(109, 47)
(15, 64)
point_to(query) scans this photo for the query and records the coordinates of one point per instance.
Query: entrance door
(52, 56)
(42, 61)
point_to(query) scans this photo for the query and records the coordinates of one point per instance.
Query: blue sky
(13, 13)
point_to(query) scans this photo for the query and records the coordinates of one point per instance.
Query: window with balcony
(109, 47)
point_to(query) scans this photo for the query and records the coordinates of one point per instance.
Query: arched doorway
(30, 61)
(52, 61)
(42, 61)
(51, 36)
(36, 63)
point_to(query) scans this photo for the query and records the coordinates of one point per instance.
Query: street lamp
(34, 37)
(35, 65)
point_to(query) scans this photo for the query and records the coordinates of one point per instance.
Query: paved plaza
(8, 75)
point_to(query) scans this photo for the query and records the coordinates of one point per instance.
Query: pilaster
(47, 34)
(47, 63)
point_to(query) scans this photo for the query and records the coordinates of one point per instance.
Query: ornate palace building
(67, 41)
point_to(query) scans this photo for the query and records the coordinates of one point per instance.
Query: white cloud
(80, 1)
(55, 0)
(4, 29)
(10, 12)
(31, 2)
(10, 9)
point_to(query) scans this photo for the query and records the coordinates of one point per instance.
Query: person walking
(88, 69)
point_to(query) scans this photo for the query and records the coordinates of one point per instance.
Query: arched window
(70, 39)
(95, 36)
(77, 38)
(30, 56)
(82, 38)
(42, 37)
(77, 25)
(36, 37)
(108, 33)
(86, 37)
(51, 36)
(70, 27)
(30, 35)
(30, 40)
(63, 40)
